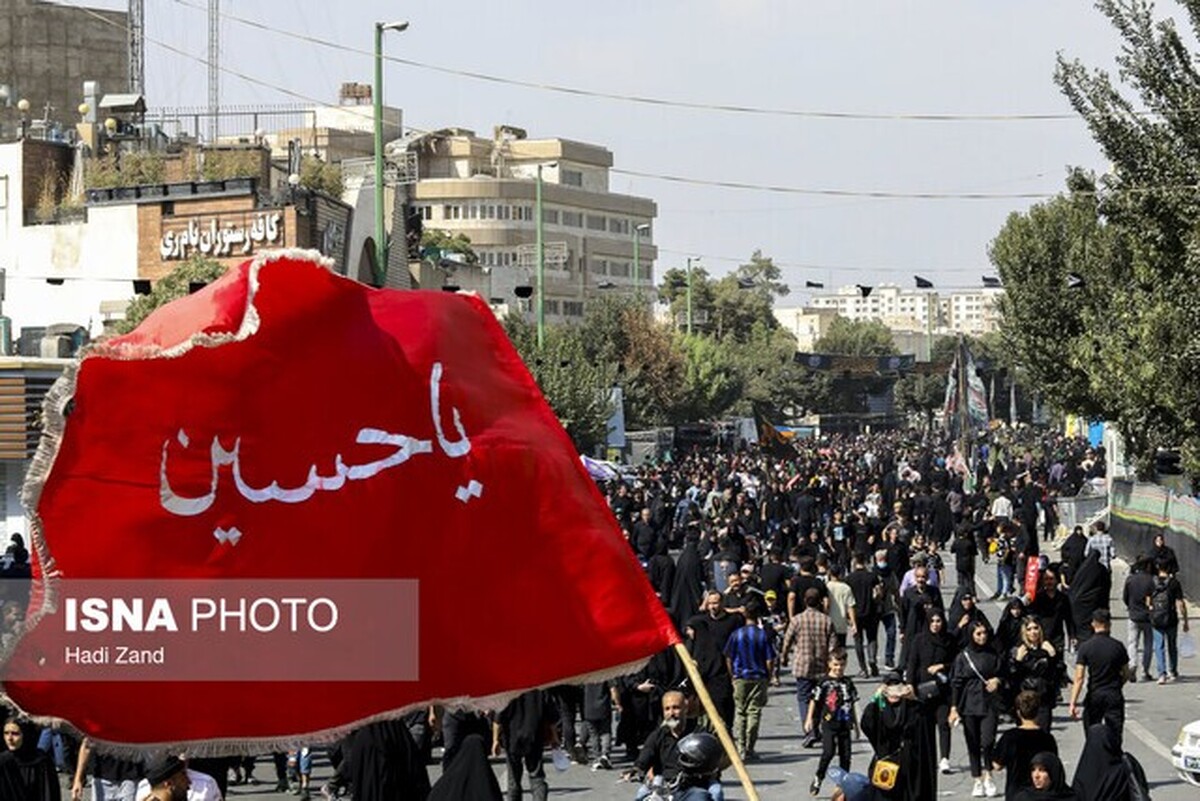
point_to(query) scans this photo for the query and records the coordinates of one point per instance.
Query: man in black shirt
(1053, 609)
(867, 588)
(1105, 662)
(660, 753)
(1016, 748)
(803, 581)
(1138, 587)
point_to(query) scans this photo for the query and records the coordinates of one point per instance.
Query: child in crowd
(833, 701)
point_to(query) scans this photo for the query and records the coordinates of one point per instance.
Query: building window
(572, 308)
(550, 216)
(620, 269)
(618, 226)
(489, 213)
(552, 306)
(572, 219)
(571, 177)
(600, 266)
(595, 222)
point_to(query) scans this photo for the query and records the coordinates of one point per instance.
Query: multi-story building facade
(807, 324)
(487, 189)
(962, 311)
(47, 51)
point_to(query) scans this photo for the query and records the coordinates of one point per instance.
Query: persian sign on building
(220, 235)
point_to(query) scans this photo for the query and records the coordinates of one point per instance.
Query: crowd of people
(841, 553)
(830, 561)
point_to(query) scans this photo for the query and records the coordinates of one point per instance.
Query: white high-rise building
(962, 311)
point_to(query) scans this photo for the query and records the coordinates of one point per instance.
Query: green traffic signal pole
(541, 263)
(377, 96)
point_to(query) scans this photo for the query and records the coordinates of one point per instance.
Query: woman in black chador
(900, 729)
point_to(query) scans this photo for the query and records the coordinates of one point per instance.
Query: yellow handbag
(883, 774)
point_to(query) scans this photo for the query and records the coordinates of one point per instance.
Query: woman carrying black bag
(976, 695)
(929, 663)
(1035, 665)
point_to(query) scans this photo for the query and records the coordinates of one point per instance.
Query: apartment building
(487, 189)
(965, 311)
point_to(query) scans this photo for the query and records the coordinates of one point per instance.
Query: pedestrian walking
(750, 657)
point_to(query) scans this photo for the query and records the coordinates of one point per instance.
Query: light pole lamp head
(84, 109)
(400, 25)
(23, 105)
(643, 228)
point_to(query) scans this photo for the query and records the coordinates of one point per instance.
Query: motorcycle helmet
(700, 753)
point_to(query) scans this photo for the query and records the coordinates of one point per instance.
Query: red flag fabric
(1033, 575)
(285, 423)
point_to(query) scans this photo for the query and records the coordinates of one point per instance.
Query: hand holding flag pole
(715, 717)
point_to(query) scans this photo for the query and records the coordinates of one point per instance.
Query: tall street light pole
(689, 293)
(377, 94)
(637, 261)
(540, 245)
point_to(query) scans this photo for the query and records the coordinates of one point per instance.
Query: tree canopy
(1102, 307)
(174, 285)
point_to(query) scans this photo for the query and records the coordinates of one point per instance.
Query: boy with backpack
(1167, 610)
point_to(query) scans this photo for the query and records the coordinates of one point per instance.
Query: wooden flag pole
(717, 723)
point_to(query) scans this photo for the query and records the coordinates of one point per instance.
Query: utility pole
(214, 68)
(137, 47)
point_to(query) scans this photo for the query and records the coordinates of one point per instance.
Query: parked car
(1185, 756)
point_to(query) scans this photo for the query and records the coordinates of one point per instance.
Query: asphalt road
(1154, 716)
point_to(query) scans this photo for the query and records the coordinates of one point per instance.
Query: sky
(880, 57)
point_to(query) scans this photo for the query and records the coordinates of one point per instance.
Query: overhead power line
(728, 108)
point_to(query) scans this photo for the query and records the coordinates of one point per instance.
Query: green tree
(1043, 322)
(1126, 338)
(856, 338)
(577, 389)
(172, 286)
(650, 364)
(446, 242)
(673, 291)
(712, 381)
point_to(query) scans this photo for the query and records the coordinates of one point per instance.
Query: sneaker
(944, 765)
(977, 791)
(596, 766)
(1132, 676)
(989, 787)
(814, 789)
(1172, 676)
(1146, 676)
(1162, 679)
(281, 787)
(605, 762)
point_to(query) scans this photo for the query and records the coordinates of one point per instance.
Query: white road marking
(1147, 737)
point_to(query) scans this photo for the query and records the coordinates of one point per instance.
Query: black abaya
(687, 590)
(1101, 774)
(1089, 591)
(30, 771)
(468, 777)
(904, 733)
(382, 763)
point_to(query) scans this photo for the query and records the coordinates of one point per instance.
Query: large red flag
(286, 437)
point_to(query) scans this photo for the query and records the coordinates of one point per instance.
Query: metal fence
(232, 122)
(1140, 510)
